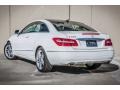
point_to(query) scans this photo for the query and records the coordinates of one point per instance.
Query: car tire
(93, 66)
(8, 51)
(42, 62)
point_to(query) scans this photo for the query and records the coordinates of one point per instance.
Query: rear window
(71, 26)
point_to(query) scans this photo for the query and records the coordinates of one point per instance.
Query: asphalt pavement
(22, 72)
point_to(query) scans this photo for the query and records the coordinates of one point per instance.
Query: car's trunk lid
(86, 40)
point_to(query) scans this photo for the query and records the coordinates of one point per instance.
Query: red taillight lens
(108, 42)
(65, 42)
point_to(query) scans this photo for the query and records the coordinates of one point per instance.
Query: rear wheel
(93, 66)
(8, 52)
(42, 62)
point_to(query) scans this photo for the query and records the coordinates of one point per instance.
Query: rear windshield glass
(71, 26)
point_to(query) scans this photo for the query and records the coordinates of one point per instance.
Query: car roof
(60, 20)
(55, 20)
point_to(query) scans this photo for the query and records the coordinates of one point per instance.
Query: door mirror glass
(16, 31)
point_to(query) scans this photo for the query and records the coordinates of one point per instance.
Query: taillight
(108, 42)
(65, 42)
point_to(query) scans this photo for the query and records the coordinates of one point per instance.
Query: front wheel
(42, 62)
(8, 52)
(93, 66)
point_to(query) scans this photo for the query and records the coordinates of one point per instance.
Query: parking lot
(24, 72)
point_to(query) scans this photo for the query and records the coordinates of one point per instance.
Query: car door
(27, 39)
(24, 41)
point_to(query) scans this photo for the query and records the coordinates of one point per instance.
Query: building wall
(107, 20)
(102, 18)
(4, 25)
(81, 13)
(22, 15)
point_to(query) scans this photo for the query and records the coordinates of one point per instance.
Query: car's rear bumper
(66, 57)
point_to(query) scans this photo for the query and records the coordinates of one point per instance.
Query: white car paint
(25, 45)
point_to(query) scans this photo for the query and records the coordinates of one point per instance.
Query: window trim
(36, 22)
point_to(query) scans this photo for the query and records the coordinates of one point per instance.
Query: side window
(35, 27)
(43, 28)
(30, 28)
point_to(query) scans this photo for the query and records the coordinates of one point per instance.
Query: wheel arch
(9, 57)
(44, 51)
(37, 48)
(8, 41)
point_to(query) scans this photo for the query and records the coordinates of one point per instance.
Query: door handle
(27, 37)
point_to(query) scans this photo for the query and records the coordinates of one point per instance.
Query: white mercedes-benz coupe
(60, 42)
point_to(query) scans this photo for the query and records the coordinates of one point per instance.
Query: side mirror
(16, 32)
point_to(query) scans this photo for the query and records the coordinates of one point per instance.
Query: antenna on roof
(68, 16)
(69, 13)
